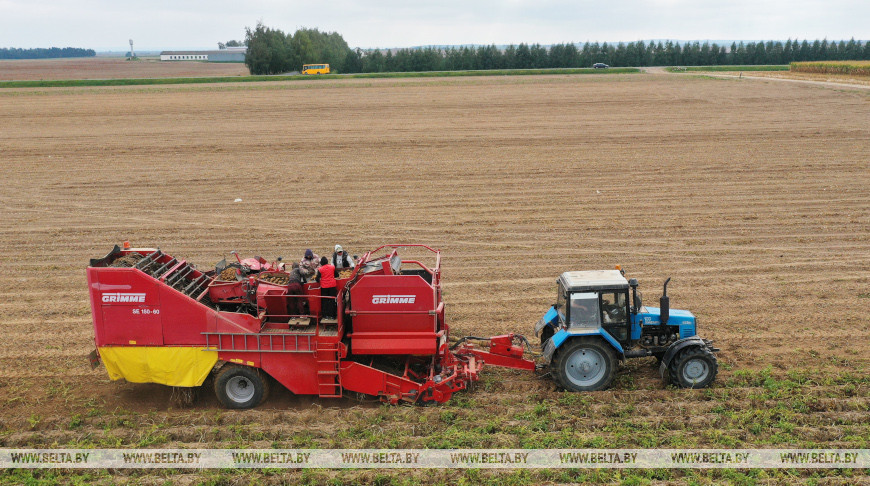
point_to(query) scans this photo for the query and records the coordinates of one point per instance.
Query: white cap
(337, 247)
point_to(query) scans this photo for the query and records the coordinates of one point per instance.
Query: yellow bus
(315, 69)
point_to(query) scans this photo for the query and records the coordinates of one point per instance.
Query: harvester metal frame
(384, 314)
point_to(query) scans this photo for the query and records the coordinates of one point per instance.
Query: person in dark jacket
(340, 258)
(295, 305)
(328, 288)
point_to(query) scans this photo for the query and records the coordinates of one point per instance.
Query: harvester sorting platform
(159, 319)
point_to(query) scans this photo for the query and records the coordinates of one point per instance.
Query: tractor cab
(595, 299)
(595, 323)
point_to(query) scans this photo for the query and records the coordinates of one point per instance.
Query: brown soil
(846, 79)
(127, 260)
(105, 68)
(827, 78)
(754, 197)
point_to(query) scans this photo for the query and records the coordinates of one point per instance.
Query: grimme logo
(393, 299)
(122, 297)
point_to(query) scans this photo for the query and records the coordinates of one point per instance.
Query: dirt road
(828, 81)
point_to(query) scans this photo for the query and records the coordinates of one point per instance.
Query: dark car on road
(600, 65)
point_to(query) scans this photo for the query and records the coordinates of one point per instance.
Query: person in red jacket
(328, 288)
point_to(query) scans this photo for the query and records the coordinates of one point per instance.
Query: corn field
(855, 68)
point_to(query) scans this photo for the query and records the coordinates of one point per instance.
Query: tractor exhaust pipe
(636, 303)
(665, 305)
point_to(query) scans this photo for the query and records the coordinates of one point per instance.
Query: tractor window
(613, 308)
(584, 310)
(560, 303)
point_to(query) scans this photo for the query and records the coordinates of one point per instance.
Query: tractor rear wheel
(240, 387)
(585, 364)
(695, 367)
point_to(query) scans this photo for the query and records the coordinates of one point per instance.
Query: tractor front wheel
(240, 387)
(585, 364)
(695, 367)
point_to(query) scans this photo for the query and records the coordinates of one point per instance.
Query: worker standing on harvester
(340, 258)
(295, 305)
(328, 288)
(308, 265)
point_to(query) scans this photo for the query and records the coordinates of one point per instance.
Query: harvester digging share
(159, 319)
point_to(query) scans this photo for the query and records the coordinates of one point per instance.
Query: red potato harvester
(158, 319)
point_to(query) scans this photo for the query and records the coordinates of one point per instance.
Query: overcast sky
(164, 24)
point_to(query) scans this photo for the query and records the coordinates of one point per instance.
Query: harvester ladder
(328, 377)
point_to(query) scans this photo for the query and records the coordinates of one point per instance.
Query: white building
(230, 54)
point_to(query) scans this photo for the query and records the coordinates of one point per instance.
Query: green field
(66, 83)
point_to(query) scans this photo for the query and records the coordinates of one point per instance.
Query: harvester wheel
(585, 364)
(241, 386)
(695, 367)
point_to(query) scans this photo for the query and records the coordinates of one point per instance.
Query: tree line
(271, 51)
(231, 43)
(622, 54)
(45, 53)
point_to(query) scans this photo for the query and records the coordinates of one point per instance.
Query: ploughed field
(754, 197)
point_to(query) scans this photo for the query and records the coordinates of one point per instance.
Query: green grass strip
(65, 83)
(728, 68)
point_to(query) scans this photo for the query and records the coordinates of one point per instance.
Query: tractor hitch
(502, 351)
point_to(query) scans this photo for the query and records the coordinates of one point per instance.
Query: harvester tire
(585, 364)
(241, 387)
(694, 367)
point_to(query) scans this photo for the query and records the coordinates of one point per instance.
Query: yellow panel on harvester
(173, 366)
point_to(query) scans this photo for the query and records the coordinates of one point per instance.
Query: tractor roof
(593, 280)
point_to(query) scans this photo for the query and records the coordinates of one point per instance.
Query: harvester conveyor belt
(166, 266)
(148, 260)
(179, 276)
(195, 285)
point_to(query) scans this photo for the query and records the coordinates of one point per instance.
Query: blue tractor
(594, 324)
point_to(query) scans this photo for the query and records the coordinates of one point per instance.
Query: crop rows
(752, 196)
(855, 68)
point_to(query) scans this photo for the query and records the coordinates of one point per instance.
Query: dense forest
(44, 53)
(271, 51)
(622, 54)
